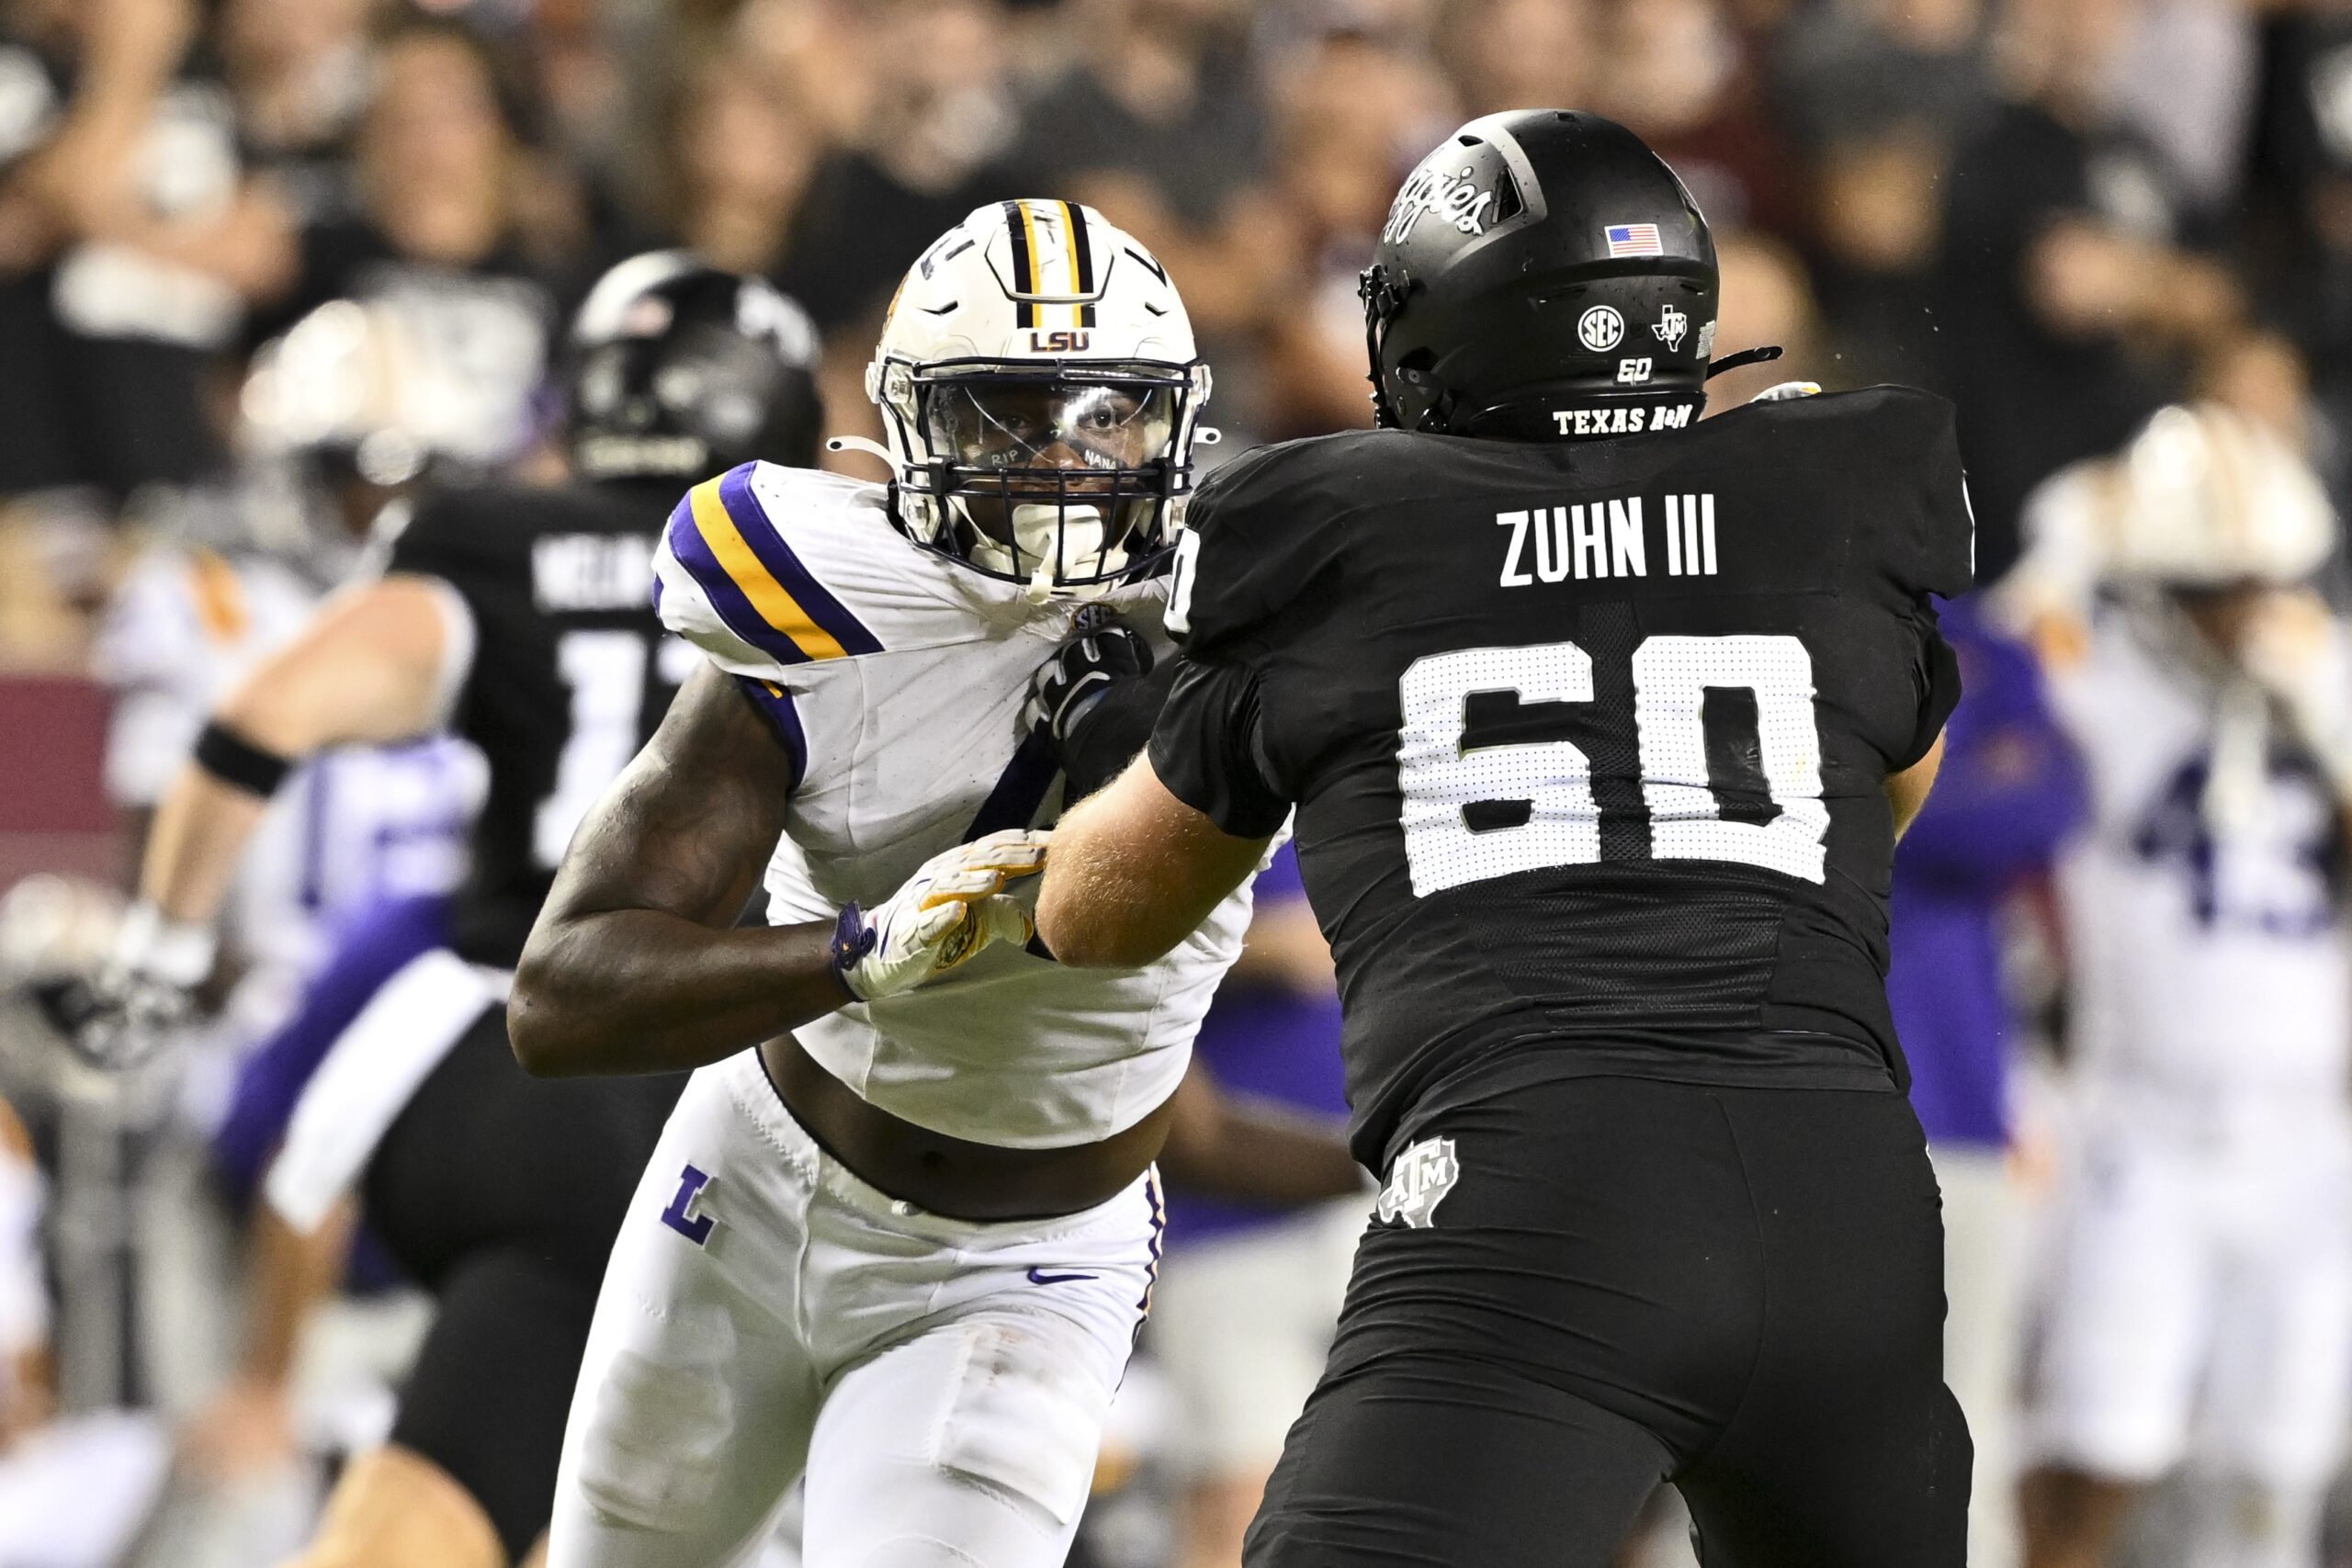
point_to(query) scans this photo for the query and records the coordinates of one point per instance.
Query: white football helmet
(1039, 386)
(2204, 497)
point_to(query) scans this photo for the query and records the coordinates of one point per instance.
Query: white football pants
(942, 1383)
(1985, 1236)
(2200, 1302)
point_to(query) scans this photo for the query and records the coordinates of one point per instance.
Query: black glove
(1101, 652)
(1098, 697)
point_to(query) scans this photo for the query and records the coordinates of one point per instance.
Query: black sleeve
(1261, 532)
(1207, 748)
(1948, 552)
(1938, 677)
(1901, 458)
(447, 536)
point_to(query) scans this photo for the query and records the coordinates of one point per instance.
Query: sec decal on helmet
(1039, 390)
(1542, 275)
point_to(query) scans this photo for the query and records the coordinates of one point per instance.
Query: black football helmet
(677, 369)
(1542, 275)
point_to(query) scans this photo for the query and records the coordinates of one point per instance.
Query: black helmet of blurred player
(1542, 275)
(677, 369)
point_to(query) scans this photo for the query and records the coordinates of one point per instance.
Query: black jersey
(570, 673)
(1586, 743)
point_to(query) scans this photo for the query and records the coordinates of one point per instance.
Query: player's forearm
(287, 1274)
(1134, 871)
(364, 670)
(1226, 1146)
(1091, 912)
(199, 830)
(642, 991)
(1907, 792)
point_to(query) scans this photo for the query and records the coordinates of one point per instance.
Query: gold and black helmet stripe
(1082, 259)
(1025, 263)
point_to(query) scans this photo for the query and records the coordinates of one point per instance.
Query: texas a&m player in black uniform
(675, 369)
(1599, 724)
(520, 617)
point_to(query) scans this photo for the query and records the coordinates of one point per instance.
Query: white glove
(143, 990)
(945, 913)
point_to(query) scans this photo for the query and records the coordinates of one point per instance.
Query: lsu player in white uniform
(905, 1245)
(2200, 1298)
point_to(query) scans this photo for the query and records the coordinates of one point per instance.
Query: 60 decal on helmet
(1039, 389)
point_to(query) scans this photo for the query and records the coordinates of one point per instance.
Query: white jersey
(349, 827)
(899, 680)
(24, 1291)
(2210, 954)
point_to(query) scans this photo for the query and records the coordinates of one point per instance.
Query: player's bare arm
(370, 667)
(1907, 791)
(635, 963)
(1224, 1145)
(368, 670)
(637, 966)
(1133, 871)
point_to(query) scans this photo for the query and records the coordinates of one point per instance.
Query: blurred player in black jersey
(522, 619)
(1599, 725)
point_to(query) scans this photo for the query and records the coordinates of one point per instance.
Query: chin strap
(1763, 355)
(866, 444)
(1380, 297)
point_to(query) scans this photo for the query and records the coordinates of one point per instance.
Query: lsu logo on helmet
(1040, 391)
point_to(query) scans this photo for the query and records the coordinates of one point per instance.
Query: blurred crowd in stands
(2061, 212)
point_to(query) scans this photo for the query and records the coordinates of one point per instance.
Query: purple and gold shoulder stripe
(721, 535)
(775, 704)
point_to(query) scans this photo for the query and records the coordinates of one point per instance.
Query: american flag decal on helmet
(1634, 239)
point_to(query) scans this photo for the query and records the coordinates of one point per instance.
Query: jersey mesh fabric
(1622, 816)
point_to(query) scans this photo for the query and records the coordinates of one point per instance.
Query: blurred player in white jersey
(246, 563)
(2201, 1296)
(899, 1239)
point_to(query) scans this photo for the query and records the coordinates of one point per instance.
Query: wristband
(852, 940)
(238, 762)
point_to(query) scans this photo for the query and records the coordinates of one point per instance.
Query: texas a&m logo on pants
(1419, 1180)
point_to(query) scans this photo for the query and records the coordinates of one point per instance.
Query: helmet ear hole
(1509, 203)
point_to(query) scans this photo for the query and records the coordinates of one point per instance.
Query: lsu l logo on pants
(1419, 1180)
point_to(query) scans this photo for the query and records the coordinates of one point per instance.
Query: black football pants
(1739, 1291)
(501, 1195)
